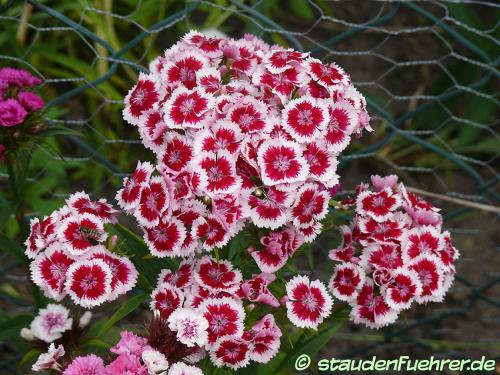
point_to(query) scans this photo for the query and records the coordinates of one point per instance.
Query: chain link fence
(429, 70)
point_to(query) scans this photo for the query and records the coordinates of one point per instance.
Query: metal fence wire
(429, 70)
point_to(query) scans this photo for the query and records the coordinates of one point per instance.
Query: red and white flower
(187, 108)
(128, 197)
(281, 161)
(378, 205)
(282, 59)
(342, 122)
(242, 56)
(42, 234)
(329, 76)
(183, 276)
(222, 136)
(212, 231)
(166, 238)
(88, 282)
(322, 165)
(183, 70)
(385, 231)
(281, 84)
(403, 289)
(218, 173)
(49, 269)
(166, 298)
(49, 360)
(190, 213)
(123, 272)
(152, 129)
(430, 273)
(305, 119)
(250, 115)
(310, 231)
(264, 339)
(308, 302)
(271, 210)
(225, 318)
(310, 205)
(421, 240)
(217, 276)
(209, 46)
(82, 204)
(345, 252)
(141, 98)
(176, 153)
(154, 201)
(228, 208)
(278, 246)
(231, 351)
(196, 295)
(346, 281)
(449, 253)
(382, 255)
(81, 232)
(370, 309)
(209, 79)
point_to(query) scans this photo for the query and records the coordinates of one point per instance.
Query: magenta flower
(11, 113)
(18, 77)
(30, 101)
(89, 364)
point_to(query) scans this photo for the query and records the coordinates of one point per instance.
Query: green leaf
(311, 346)
(58, 130)
(6, 210)
(11, 327)
(302, 9)
(10, 246)
(237, 245)
(96, 343)
(29, 357)
(132, 304)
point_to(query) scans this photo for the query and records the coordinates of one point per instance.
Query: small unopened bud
(85, 319)
(16, 135)
(113, 241)
(35, 129)
(27, 334)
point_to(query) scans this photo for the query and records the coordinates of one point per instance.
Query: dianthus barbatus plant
(246, 139)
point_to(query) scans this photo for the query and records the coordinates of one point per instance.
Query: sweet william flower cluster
(393, 254)
(70, 255)
(255, 129)
(246, 138)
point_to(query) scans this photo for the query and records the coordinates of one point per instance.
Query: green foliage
(127, 308)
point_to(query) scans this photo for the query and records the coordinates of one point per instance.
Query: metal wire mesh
(428, 69)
